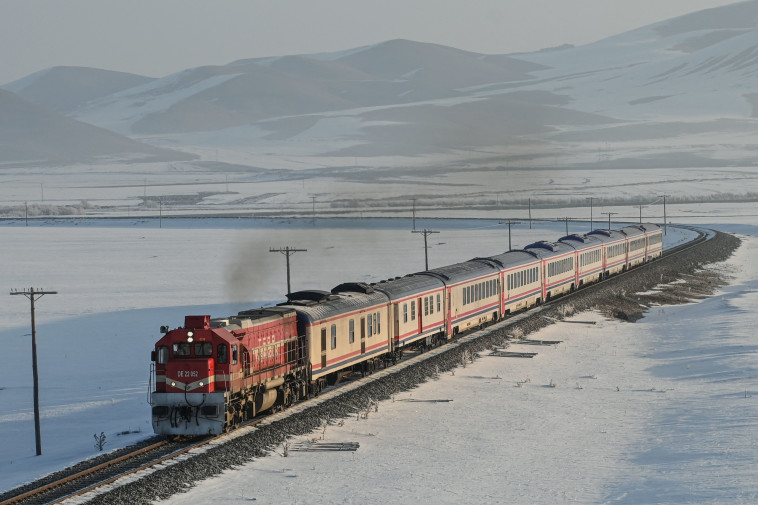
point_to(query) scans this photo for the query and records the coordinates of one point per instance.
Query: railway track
(89, 476)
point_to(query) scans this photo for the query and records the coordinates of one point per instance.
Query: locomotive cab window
(182, 349)
(222, 354)
(203, 349)
(234, 354)
(162, 355)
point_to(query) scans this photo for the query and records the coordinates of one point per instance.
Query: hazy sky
(159, 37)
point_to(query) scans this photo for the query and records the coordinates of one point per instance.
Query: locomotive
(211, 374)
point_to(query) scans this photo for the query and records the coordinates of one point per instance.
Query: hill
(30, 133)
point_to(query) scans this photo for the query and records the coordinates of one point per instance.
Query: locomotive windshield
(203, 349)
(223, 354)
(182, 349)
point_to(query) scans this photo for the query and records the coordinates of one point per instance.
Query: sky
(158, 37)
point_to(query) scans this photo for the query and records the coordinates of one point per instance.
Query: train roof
(649, 227)
(545, 249)
(580, 242)
(460, 272)
(400, 287)
(606, 236)
(632, 231)
(638, 229)
(512, 259)
(248, 318)
(318, 305)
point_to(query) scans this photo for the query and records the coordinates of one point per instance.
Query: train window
(431, 304)
(203, 349)
(181, 349)
(222, 354)
(405, 312)
(334, 336)
(162, 355)
(370, 325)
(378, 323)
(234, 354)
(426, 306)
(352, 331)
(413, 311)
(439, 303)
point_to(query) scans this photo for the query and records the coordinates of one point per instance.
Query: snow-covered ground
(119, 280)
(661, 411)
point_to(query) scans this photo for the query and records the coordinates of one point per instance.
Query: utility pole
(414, 213)
(590, 199)
(609, 218)
(287, 251)
(33, 295)
(567, 224)
(509, 223)
(426, 247)
(665, 221)
(641, 207)
(530, 213)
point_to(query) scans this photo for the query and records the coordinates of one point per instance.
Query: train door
(449, 322)
(420, 318)
(395, 337)
(323, 348)
(363, 335)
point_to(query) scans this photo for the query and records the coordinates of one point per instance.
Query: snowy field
(661, 411)
(119, 280)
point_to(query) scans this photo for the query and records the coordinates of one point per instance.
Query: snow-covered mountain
(64, 89)
(699, 66)
(32, 134)
(678, 79)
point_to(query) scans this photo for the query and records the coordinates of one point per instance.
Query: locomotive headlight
(173, 384)
(190, 334)
(201, 383)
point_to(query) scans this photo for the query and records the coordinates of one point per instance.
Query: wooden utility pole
(641, 207)
(33, 295)
(288, 251)
(509, 223)
(530, 213)
(426, 246)
(609, 218)
(665, 221)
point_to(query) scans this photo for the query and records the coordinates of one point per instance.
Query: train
(210, 375)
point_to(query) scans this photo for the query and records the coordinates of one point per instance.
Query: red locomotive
(212, 374)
